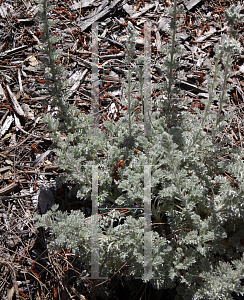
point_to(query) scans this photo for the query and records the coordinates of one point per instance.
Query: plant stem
(172, 52)
(129, 98)
(223, 91)
(210, 98)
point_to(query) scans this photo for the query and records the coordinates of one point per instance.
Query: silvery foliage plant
(197, 245)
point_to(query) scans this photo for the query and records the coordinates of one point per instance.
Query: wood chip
(190, 4)
(15, 103)
(9, 188)
(142, 11)
(6, 125)
(98, 14)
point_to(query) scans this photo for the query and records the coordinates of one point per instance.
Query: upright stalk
(172, 52)
(210, 99)
(223, 90)
(130, 54)
(129, 98)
